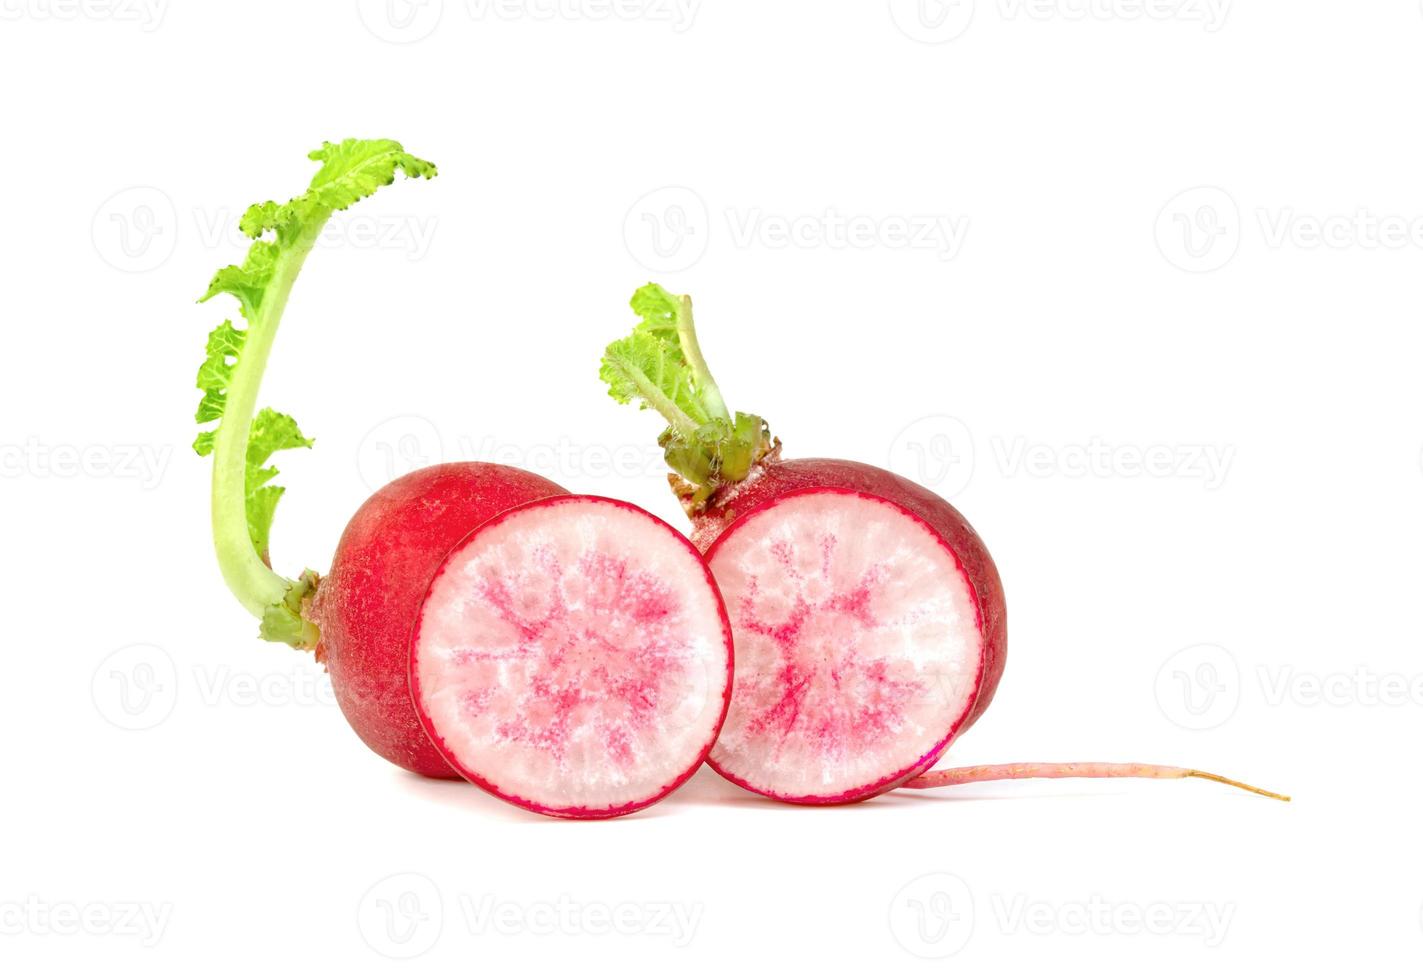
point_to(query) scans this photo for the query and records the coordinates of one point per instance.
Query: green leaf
(650, 367)
(215, 374)
(659, 309)
(247, 282)
(244, 497)
(271, 432)
(660, 366)
(350, 171)
(646, 369)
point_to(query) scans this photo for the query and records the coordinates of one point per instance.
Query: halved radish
(860, 649)
(869, 617)
(573, 656)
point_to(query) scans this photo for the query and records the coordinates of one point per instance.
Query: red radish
(591, 671)
(366, 606)
(868, 617)
(862, 644)
(572, 656)
(359, 619)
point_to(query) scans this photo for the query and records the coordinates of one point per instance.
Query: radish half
(860, 648)
(869, 618)
(573, 656)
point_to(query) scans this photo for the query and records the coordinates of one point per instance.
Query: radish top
(243, 496)
(660, 366)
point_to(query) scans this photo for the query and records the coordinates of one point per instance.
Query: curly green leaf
(244, 499)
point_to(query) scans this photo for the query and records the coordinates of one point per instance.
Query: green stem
(661, 367)
(701, 373)
(251, 580)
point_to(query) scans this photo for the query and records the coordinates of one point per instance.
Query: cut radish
(859, 650)
(573, 656)
(869, 617)
(366, 606)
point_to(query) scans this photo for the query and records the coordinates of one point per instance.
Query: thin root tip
(1198, 774)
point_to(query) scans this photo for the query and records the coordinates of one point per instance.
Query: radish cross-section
(573, 656)
(858, 646)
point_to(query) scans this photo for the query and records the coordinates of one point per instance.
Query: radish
(864, 643)
(358, 619)
(365, 607)
(573, 656)
(868, 616)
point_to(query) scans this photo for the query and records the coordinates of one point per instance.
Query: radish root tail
(1072, 770)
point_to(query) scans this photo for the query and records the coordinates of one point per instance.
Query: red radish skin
(860, 646)
(774, 478)
(366, 606)
(573, 657)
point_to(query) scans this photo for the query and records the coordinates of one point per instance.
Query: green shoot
(244, 499)
(660, 366)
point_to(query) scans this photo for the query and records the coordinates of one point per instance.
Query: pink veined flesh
(1071, 770)
(573, 657)
(809, 582)
(774, 478)
(858, 647)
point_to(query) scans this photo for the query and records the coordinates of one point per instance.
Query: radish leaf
(243, 497)
(660, 366)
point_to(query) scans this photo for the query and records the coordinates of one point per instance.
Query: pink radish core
(573, 656)
(858, 648)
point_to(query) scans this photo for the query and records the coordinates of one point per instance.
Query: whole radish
(868, 617)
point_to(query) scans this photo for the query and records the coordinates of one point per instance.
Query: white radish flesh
(573, 657)
(858, 647)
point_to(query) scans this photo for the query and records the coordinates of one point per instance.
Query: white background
(1134, 284)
